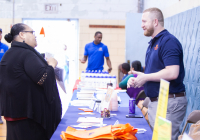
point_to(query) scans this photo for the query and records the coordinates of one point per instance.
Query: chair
(145, 104)
(141, 96)
(192, 118)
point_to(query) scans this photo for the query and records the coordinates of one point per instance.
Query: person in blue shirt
(95, 52)
(164, 60)
(3, 47)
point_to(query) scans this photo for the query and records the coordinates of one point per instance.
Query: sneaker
(1, 122)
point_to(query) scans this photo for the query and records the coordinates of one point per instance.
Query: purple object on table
(133, 92)
(131, 106)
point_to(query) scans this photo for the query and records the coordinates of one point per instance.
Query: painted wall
(114, 38)
(136, 42)
(172, 7)
(89, 9)
(185, 26)
(5, 24)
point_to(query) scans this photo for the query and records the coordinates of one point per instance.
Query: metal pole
(13, 12)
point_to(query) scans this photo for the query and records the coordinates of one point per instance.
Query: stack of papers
(85, 95)
(81, 102)
(90, 120)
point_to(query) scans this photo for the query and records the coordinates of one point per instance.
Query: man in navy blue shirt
(95, 52)
(3, 49)
(164, 59)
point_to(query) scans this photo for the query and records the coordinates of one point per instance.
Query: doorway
(57, 36)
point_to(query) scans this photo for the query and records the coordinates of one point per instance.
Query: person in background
(164, 60)
(125, 70)
(95, 52)
(136, 65)
(66, 66)
(29, 98)
(3, 49)
(120, 74)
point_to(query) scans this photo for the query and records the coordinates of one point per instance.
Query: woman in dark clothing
(136, 66)
(29, 98)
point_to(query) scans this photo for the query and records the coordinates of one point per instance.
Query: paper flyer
(162, 105)
(164, 129)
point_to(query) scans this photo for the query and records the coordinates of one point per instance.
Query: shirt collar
(158, 35)
(97, 44)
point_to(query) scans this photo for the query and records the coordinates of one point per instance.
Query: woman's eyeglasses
(33, 32)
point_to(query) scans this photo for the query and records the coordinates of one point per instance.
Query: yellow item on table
(162, 105)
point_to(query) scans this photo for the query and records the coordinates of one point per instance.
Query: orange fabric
(86, 109)
(119, 131)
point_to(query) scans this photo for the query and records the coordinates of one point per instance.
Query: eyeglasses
(33, 32)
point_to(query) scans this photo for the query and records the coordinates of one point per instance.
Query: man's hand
(130, 82)
(140, 80)
(109, 70)
(82, 61)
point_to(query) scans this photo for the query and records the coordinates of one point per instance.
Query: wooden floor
(3, 130)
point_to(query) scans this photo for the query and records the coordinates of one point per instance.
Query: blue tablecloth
(71, 117)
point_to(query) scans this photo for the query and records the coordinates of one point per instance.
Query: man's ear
(155, 22)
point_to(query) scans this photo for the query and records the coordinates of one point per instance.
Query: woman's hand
(52, 62)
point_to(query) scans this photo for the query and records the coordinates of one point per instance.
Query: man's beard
(149, 32)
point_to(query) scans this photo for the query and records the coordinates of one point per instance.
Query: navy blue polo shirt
(3, 49)
(96, 55)
(164, 50)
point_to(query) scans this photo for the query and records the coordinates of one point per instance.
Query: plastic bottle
(101, 81)
(86, 81)
(89, 73)
(107, 73)
(94, 81)
(99, 74)
(114, 81)
(105, 80)
(92, 73)
(82, 76)
(90, 81)
(110, 79)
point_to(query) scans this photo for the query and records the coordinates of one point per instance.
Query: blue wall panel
(136, 42)
(186, 27)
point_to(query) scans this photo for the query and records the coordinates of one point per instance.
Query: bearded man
(164, 60)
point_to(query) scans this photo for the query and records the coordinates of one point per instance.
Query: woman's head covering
(136, 65)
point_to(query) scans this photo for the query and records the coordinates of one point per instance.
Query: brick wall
(5, 24)
(114, 38)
